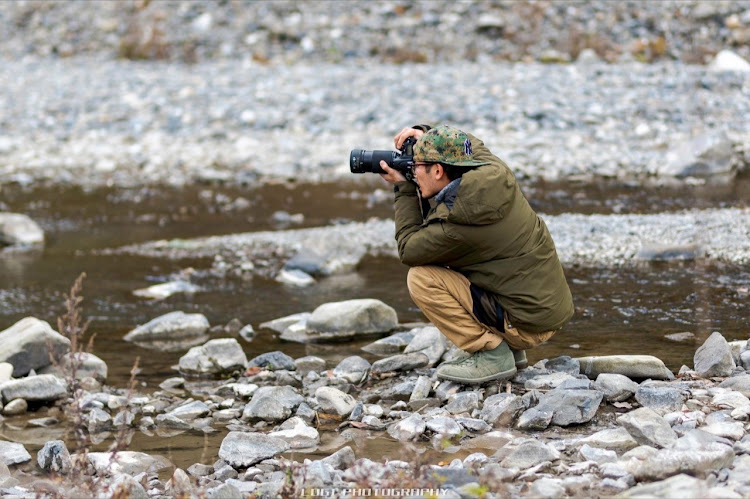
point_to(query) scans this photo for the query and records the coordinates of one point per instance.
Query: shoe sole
(502, 376)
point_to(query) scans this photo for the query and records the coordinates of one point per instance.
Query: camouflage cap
(445, 144)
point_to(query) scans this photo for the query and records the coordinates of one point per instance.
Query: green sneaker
(480, 367)
(520, 357)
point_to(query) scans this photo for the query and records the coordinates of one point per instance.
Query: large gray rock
(648, 428)
(714, 357)
(272, 403)
(429, 341)
(739, 383)
(401, 362)
(705, 155)
(41, 388)
(172, 327)
(632, 366)
(682, 486)
(694, 454)
(241, 449)
(216, 357)
(333, 401)
(297, 434)
(660, 399)
(570, 406)
(281, 324)
(615, 387)
(19, 230)
(343, 320)
(81, 364)
(26, 345)
(616, 439)
(390, 345)
(13, 453)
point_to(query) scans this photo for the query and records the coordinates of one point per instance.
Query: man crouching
(484, 269)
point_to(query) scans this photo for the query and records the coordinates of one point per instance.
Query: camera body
(363, 161)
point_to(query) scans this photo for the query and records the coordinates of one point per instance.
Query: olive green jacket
(493, 237)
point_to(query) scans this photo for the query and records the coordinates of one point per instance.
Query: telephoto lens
(363, 161)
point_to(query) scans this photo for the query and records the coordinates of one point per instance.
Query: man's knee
(419, 279)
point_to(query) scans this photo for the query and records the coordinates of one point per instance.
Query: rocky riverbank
(566, 427)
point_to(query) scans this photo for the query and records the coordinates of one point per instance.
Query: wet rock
(680, 337)
(83, 363)
(632, 366)
(714, 357)
(55, 457)
(333, 401)
(165, 290)
(174, 326)
(241, 449)
(408, 429)
(41, 388)
(647, 427)
(728, 61)
(297, 434)
(295, 277)
(200, 470)
(191, 410)
(349, 319)
(281, 324)
(272, 403)
(15, 407)
(616, 387)
(309, 262)
(309, 364)
(19, 230)
(13, 453)
(570, 406)
(389, 345)
(444, 426)
(660, 399)
(127, 462)
(98, 420)
(402, 362)
(705, 155)
(353, 369)
(216, 357)
(665, 252)
(429, 341)
(526, 453)
(273, 361)
(400, 391)
(341, 459)
(247, 332)
(501, 409)
(26, 345)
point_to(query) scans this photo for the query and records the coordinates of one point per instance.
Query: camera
(363, 161)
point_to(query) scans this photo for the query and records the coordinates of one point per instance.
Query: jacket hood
(484, 196)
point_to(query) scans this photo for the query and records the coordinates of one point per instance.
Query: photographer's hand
(391, 176)
(405, 134)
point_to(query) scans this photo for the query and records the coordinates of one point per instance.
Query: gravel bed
(101, 122)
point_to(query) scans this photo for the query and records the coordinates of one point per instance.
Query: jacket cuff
(424, 128)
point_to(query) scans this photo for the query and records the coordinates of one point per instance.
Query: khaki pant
(443, 296)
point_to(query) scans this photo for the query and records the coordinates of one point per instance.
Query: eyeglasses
(415, 165)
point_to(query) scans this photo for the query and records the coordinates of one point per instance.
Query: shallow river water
(626, 310)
